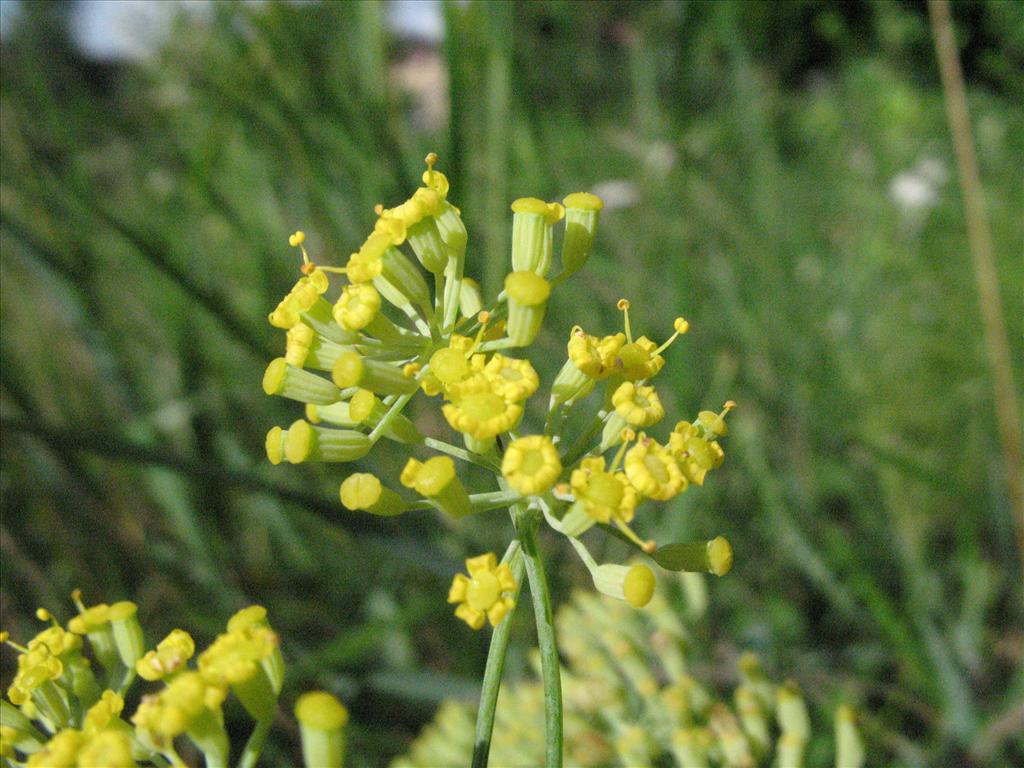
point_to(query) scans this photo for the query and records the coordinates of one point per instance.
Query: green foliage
(144, 212)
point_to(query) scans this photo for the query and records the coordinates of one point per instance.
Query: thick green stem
(526, 525)
(495, 666)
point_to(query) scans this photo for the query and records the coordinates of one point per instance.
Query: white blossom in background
(916, 190)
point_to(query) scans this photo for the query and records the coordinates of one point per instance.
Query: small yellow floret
(170, 656)
(357, 306)
(102, 712)
(234, 657)
(514, 380)
(594, 357)
(531, 465)
(59, 752)
(481, 595)
(482, 414)
(605, 495)
(430, 477)
(653, 471)
(109, 749)
(639, 406)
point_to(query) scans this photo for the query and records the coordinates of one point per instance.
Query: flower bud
(363, 491)
(471, 300)
(353, 370)
(305, 442)
(582, 210)
(436, 479)
(322, 720)
(634, 584)
(532, 220)
(849, 745)
(286, 380)
(131, 644)
(528, 296)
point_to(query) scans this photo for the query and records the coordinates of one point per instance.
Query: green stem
(254, 745)
(482, 502)
(581, 445)
(495, 666)
(492, 346)
(550, 666)
(462, 453)
(393, 411)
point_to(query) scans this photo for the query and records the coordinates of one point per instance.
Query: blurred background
(780, 174)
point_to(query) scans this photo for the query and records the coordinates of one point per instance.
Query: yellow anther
(627, 435)
(623, 305)
(681, 326)
(43, 615)
(483, 317)
(411, 369)
(378, 208)
(430, 160)
(297, 239)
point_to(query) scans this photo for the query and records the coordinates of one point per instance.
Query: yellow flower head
(714, 423)
(62, 751)
(430, 477)
(531, 465)
(171, 655)
(455, 370)
(513, 380)
(482, 594)
(109, 749)
(357, 306)
(639, 406)
(605, 495)
(56, 640)
(641, 358)
(696, 455)
(167, 714)
(483, 414)
(301, 297)
(367, 263)
(235, 656)
(102, 712)
(638, 360)
(90, 619)
(34, 669)
(593, 356)
(653, 471)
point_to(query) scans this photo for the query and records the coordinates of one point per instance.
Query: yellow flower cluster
(634, 697)
(357, 361)
(64, 711)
